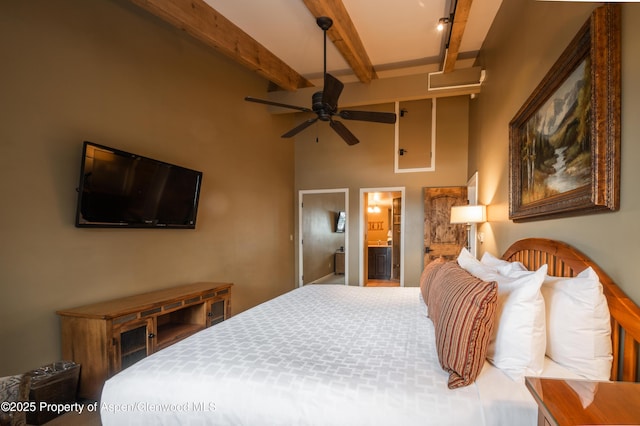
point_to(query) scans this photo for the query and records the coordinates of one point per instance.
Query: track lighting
(442, 22)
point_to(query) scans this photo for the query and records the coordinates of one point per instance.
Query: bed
(335, 354)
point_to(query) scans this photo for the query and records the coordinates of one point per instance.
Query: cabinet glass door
(134, 344)
(216, 313)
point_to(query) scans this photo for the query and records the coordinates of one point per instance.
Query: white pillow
(502, 266)
(519, 341)
(578, 324)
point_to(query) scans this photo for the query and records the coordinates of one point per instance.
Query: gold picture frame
(564, 142)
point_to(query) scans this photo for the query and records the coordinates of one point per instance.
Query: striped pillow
(464, 319)
(427, 276)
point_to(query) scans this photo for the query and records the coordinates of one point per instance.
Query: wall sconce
(468, 214)
(442, 22)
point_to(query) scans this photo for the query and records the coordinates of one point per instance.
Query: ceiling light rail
(458, 79)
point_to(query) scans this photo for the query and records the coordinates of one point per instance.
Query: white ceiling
(399, 36)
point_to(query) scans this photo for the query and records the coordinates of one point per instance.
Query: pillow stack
(577, 322)
(515, 317)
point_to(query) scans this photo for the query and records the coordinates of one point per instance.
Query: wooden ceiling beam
(460, 17)
(344, 36)
(204, 23)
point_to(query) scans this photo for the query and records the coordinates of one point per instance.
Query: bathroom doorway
(382, 236)
(323, 236)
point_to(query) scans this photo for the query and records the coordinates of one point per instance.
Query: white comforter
(322, 354)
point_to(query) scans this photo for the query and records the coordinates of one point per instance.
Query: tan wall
(524, 42)
(330, 163)
(105, 71)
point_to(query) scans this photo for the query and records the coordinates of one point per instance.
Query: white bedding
(321, 354)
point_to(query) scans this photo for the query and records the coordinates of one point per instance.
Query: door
(381, 213)
(441, 238)
(132, 342)
(415, 141)
(216, 311)
(396, 238)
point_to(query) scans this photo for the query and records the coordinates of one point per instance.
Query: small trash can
(51, 384)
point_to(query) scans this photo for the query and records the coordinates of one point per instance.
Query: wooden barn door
(441, 238)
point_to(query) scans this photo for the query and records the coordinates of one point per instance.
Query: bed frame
(566, 261)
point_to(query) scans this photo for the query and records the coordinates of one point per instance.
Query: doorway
(382, 236)
(323, 236)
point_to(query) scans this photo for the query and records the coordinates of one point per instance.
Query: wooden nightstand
(584, 402)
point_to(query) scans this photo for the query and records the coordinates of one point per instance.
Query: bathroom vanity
(379, 262)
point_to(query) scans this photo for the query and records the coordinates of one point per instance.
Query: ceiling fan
(325, 102)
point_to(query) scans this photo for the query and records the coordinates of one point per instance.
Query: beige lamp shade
(468, 214)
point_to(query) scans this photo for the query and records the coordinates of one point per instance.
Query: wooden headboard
(566, 261)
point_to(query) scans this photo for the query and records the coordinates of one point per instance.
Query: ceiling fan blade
(344, 133)
(300, 127)
(377, 117)
(331, 91)
(278, 104)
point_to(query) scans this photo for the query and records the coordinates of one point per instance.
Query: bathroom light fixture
(468, 214)
(374, 209)
(442, 22)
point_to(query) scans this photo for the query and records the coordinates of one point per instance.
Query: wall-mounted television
(121, 189)
(341, 221)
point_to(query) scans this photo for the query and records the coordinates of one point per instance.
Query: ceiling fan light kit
(325, 102)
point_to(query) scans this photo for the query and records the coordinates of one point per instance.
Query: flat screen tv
(341, 220)
(120, 189)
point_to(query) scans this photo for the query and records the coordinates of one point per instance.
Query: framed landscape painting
(564, 143)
